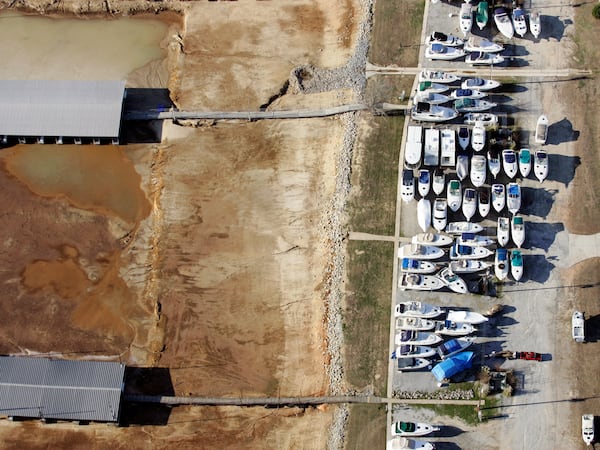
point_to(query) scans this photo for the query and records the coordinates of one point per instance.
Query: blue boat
(453, 365)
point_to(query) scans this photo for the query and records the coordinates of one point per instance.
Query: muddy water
(94, 178)
(36, 47)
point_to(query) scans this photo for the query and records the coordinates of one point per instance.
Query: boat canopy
(519, 13)
(464, 103)
(423, 107)
(501, 252)
(464, 92)
(518, 220)
(450, 347)
(408, 263)
(514, 190)
(437, 48)
(510, 157)
(482, 12)
(406, 427)
(516, 258)
(439, 36)
(453, 365)
(468, 236)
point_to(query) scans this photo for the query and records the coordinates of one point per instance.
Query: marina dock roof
(60, 389)
(61, 108)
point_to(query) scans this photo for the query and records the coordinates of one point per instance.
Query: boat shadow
(511, 88)
(541, 234)
(500, 98)
(553, 27)
(536, 268)
(515, 61)
(516, 50)
(562, 168)
(441, 445)
(447, 431)
(562, 131)
(536, 201)
(592, 328)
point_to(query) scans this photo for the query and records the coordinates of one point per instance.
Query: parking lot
(533, 318)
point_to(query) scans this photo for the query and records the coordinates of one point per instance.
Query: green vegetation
(366, 427)
(396, 37)
(375, 177)
(596, 11)
(367, 313)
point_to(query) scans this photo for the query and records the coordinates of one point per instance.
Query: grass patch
(388, 89)
(366, 427)
(396, 37)
(366, 316)
(372, 206)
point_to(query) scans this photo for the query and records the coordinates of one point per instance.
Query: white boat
(498, 196)
(540, 165)
(448, 154)
(488, 120)
(509, 163)
(472, 105)
(513, 197)
(478, 137)
(468, 265)
(524, 162)
(468, 252)
(454, 346)
(440, 214)
(503, 23)
(449, 328)
(462, 166)
(412, 429)
(407, 190)
(467, 93)
(419, 251)
(424, 214)
(493, 163)
(439, 181)
(466, 18)
(417, 338)
(414, 323)
(453, 281)
(578, 326)
(432, 98)
(414, 147)
(541, 130)
(428, 86)
(587, 428)
(426, 112)
(412, 265)
(517, 229)
(445, 39)
(464, 137)
(454, 195)
(480, 84)
(503, 231)
(469, 203)
(463, 227)
(501, 264)
(435, 239)
(516, 264)
(471, 317)
(479, 44)
(535, 23)
(519, 21)
(436, 76)
(483, 205)
(443, 52)
(414, 308)
(403, 443)
(475, 240)
(413, 351)
(424, 182)
(484, 59)
(415, 281)
(410, 364)
(478, 170)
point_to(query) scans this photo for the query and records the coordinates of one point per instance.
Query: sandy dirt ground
(217, 268)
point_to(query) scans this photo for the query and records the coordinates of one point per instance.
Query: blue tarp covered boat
(453, 365)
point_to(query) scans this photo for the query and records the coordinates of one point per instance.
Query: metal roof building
(60, 389)
(87, 109)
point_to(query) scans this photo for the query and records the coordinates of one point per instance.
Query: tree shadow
(537, 202)
(562, 131)
(562, 168)
(541, 234)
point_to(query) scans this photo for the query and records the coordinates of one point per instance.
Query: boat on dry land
(535, 23)
(587, 428)
(411, 265)
(469, 252)
(436, 76)
(578, 326)
(426, 112)
(503, 23)
(479, 44)
(484, 59)
(443, 52)
(468, 265)
(435, 239)
(413, 351)
(414, 324)
(411, 364)
(414, 308)
(488, 120)
(454, 346)
(417, 338)
(517, 228)
(541, 130)
(419, 251)
(407, 190)
(463, 227)
(412, 429)
(473, 105)
(453, 281)
(402, 443)
(503, 230)
(480, 84)
(445, 39)
(471, 317)
(418, 282)
(540, 165)
(449, 328)
(501, 264)
(516, 264)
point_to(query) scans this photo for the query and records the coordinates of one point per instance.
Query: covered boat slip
(58, 108)
(59, 389)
